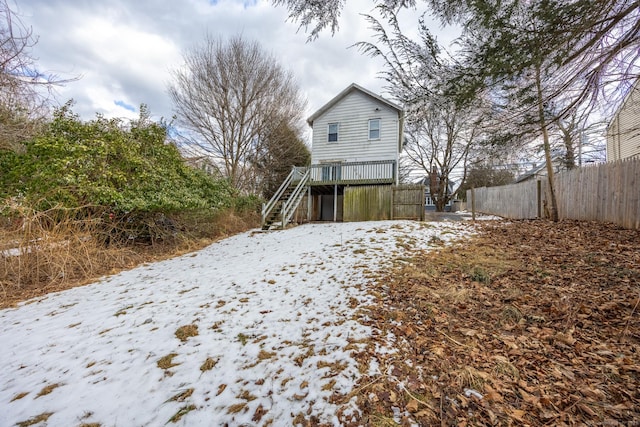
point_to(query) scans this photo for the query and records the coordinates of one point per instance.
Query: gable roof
(539, 168)
(351, 88)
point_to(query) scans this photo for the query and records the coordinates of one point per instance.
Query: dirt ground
(529, 323)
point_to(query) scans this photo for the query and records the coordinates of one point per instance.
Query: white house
(623, 132)
(357, 139)
(357, 126)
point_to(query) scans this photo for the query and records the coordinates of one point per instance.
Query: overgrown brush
(59, 248)
(53, 247)
(85, 198)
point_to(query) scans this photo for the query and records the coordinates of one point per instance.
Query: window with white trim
(333, 132)
(374, 129)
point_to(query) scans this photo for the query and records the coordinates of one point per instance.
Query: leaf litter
(527, 323)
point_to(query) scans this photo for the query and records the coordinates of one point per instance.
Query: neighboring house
(203, 163)
(623, 132)
(429, 203)
(539, 171)
(354, 156)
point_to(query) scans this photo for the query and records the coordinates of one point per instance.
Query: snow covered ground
(273, 318)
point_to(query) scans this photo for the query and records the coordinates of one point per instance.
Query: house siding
(623, 133)
(353, 113)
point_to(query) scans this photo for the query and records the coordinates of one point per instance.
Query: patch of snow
(468, 392)
(277, 314)
(467, 216)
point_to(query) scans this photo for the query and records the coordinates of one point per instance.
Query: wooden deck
(353, 173)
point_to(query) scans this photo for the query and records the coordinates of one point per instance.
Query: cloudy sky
(123, 51)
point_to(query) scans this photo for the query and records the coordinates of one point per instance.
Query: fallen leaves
(529, 322)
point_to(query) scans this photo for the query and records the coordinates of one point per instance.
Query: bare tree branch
(24, 91)
(228, 96)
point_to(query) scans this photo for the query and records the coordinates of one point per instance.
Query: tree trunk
(553, 210)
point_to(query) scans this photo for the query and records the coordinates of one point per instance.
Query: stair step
(275, 216)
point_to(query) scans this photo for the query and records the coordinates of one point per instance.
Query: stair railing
(295, 175)
(271, 204)
(291, 204)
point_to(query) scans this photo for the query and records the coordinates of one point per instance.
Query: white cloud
(124, 51)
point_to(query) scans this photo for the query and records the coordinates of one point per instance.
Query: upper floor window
(333, 132)
(374, 129)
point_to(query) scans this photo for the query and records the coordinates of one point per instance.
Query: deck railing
(373, 172)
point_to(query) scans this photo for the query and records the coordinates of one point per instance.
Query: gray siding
(353, 113)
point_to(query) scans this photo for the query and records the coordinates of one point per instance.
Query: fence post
(393, 192)
(309, 205)
(473, 203)
(335, 202)
(539, 197)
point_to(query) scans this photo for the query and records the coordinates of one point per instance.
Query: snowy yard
(256, 329)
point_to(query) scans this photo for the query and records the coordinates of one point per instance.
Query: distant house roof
(352, 87)
(540, 168)
(427, 183)
(531, 172)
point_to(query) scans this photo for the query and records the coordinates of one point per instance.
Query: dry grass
(329, 386)
(185, 332)
(181, 413)
(182, 396)
(47, 389)
(221, 388)
(264, 355)
(236, 408)
(43, 252)
(19, 396)
(469, 377)
(166, 362)
(208, 364)
(245, 395)
(505, 369)
(42, 418)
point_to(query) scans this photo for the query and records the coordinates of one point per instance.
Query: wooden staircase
(279, 210)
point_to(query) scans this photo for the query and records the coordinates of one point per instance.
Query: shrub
(125, 173)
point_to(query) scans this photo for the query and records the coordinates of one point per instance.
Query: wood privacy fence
(408, 202)
(608, 192)
(367, 203)
(379, 202)
(515, 201)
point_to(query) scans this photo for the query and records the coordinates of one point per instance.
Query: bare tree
(440, 141)
(441, 134)
(227, 96)
(25, 92)
(486, 174)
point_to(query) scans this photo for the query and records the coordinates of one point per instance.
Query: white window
(374, 129)
(333, 132)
